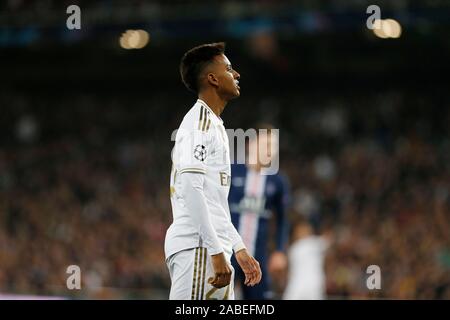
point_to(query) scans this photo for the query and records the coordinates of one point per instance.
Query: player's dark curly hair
(195, 60)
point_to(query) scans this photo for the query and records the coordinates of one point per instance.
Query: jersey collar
(203, 103)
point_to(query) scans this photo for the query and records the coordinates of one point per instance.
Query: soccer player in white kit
(201, 239)
(306, 278)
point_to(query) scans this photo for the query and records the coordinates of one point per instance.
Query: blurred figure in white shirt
(306, 255)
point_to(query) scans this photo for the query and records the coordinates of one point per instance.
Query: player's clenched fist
(250, 267)
(222, 271)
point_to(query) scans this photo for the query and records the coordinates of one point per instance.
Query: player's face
(264, 149)
(228, 78)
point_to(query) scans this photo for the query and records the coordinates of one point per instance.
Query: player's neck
(214, 102)
(255, 167)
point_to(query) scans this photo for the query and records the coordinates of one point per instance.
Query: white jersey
(306, 278)
(201, 147)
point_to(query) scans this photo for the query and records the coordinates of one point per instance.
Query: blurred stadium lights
(237, 19)
(387, 28)
(392, 28)
(134, 39)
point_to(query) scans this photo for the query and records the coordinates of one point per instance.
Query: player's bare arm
(250, 267)
(222, 271)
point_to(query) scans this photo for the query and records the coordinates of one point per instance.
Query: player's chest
(252, 194)
(220, 155)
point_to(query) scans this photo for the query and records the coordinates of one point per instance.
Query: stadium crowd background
(85, 155)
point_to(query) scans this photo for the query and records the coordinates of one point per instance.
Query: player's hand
(222, 271)
(277, 262)
(250, 267)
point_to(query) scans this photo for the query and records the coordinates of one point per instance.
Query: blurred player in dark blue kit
(254, 200)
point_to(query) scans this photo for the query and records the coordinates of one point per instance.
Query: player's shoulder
(280, 179)
(197, 119)
(238, 169)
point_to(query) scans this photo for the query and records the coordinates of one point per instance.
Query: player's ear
(212, 79)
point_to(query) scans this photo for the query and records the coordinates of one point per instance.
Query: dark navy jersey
(253, 199)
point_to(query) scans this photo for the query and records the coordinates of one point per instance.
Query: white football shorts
(189, 273)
